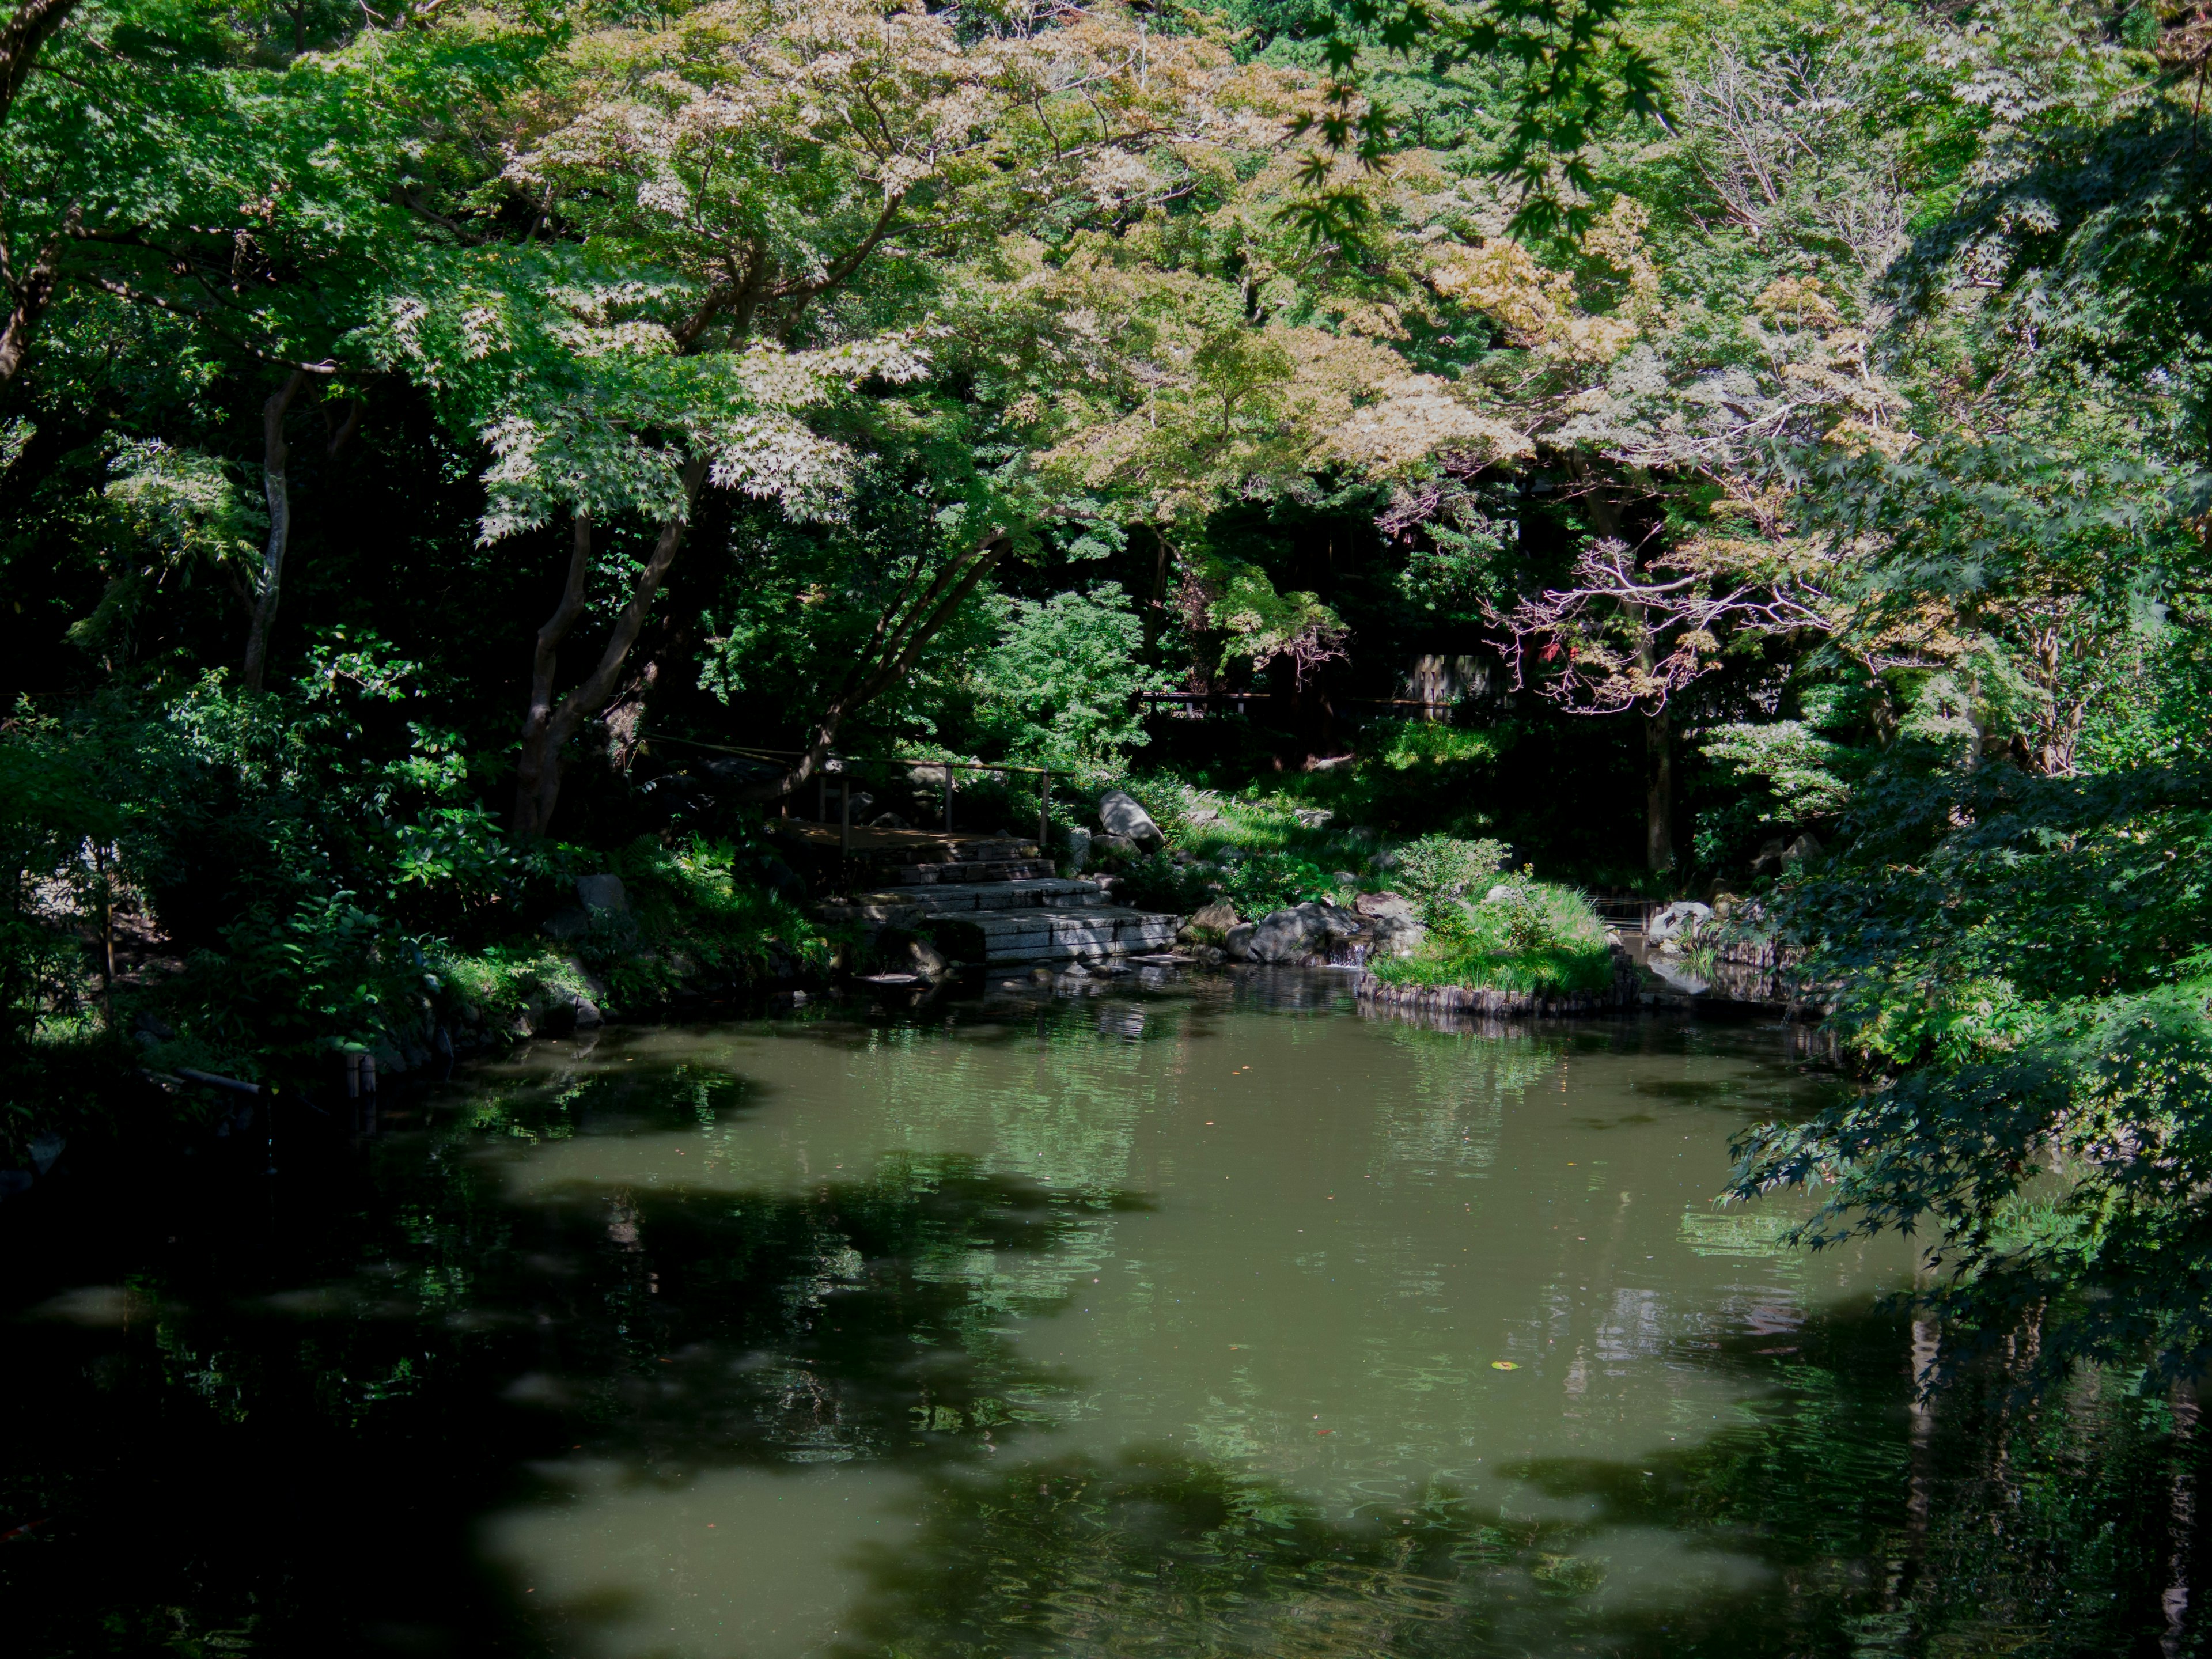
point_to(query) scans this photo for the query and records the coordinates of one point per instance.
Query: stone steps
(1025, 919)
(1057, 934)
(921, 875)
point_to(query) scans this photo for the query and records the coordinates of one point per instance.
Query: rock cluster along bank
(1624, 992)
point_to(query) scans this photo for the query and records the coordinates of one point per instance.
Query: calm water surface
(1215, 1320)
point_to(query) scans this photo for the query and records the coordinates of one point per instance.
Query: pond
(1205, 1318)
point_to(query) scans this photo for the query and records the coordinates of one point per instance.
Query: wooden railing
(836, 765)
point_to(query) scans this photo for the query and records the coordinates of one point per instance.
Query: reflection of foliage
(1773, 1525)
(2027, 953)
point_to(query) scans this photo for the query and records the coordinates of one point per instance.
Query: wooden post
(948, 798)
(845, 813)
(822, 793)
(1044, 816)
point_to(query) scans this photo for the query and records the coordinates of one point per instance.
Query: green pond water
(1214, 1318)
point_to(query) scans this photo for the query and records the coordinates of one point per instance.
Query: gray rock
(1109, 849)
(1679, 920)
(602, 893)
(1214, 920)
(587, 1013)
(1501, 894)
(1079, 849)
(1314, 818)
(1288, 935)
(1805, 846)
(1335, 921)
(1767, 861)
(1119, 811)
(1236, 943)
(901, 951)
(1375, 906)
(1396, 936)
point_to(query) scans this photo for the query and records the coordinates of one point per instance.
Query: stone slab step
(1046, 920)
(993, 852)
(900, 907)
(1043, 934)
(1003, 869)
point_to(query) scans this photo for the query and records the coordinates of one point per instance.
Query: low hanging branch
(1623, 637)
(901, 633)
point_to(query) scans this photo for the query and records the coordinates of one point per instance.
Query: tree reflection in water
(280, 1432)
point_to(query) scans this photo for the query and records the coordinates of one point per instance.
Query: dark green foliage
(2024, 958)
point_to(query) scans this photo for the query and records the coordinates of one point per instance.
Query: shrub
(1537, 938)
(1437, 869)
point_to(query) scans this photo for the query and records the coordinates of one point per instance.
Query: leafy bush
(1273, 881)
(1059, 687)
(1537, 938)
(1157, 882)
(1437, 869)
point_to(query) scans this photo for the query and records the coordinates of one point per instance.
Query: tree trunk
(1659, 791)
(537, 770)
(28, 300)
(530, 767)
(274, 454)
(30, 27)
(2180, 1525)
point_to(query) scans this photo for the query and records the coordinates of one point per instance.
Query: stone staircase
(996, 903)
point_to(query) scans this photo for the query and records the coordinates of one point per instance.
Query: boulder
(597, 893)
(1314, 818)
(1111, 849)
(1236, 943)
(1120, 815)
(1375, 906)
(899, 951)
(1501, 894)
(1805, 846)
(1212, 922)
(1679, 920)
(585, 1012)
(1767, 861)
(1079, 849)
(1396, 936)
(1336, 921)
(1288, 935)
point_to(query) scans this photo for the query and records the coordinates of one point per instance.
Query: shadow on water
(249, 1417)
(1843, 1518)
(209, 1457)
